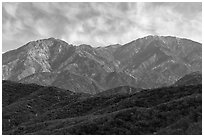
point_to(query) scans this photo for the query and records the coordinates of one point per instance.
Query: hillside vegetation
(33, 109)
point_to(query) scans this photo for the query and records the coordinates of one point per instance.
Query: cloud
(98, 24)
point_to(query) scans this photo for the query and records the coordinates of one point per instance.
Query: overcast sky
(98, 24)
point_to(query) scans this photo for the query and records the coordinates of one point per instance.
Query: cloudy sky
(98, 24)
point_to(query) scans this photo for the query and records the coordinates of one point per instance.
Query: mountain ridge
(149, 62)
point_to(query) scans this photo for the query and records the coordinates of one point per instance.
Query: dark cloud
(98, 24)
(123, 6)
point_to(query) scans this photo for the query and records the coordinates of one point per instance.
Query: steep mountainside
(149, 62)
(155, 60)
(34, 109)
(65, 80)
(54, 62)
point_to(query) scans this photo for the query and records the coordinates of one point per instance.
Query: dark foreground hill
(34, 109)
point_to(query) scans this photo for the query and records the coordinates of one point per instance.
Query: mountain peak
(51, 38)
(151, 36)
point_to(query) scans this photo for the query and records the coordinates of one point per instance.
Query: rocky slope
(149, 62)
(155, 60)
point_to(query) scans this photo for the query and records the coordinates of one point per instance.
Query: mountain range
(149, 86)
(149, 62)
